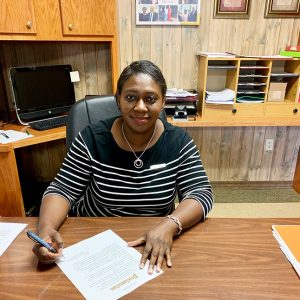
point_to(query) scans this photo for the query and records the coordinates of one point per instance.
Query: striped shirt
(98, 178)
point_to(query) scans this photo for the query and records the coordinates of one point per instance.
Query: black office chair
(90, 110)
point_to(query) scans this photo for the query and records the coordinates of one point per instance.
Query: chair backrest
(90, 110)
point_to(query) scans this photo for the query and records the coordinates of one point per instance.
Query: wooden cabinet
(17, 17)
(62, 21)
(88, 17)
(56, 20)
(252, 82)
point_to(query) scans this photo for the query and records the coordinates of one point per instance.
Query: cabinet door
(88, 17)
(17, 16)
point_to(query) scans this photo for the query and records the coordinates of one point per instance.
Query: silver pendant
(138, 163)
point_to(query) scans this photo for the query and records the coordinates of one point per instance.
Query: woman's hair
(144, 67)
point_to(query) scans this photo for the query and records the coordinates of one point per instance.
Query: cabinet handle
(29, 25)
(295, 110)
(70, 26)
(234, 111)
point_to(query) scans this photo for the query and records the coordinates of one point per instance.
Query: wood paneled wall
(174, 48)
(92, 60)
(229, 153)
(238, 154)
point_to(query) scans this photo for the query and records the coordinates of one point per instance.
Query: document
(218, 54)
(288, 237)
(104, 267)
(225, 96)
(9, 136)
(8, 232)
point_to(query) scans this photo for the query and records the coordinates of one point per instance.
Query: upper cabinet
(55, 20)
(88, 17)
(17, 17)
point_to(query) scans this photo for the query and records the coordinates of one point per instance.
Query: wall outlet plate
(269, 145)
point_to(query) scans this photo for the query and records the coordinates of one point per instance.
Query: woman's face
(140, 102)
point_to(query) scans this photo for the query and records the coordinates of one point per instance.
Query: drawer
(249, 110)
(283, 110)
(232, 111)
(218, 111)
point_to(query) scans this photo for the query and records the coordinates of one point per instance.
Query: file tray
(172, 108)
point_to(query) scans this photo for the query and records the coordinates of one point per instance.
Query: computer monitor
(42, 92)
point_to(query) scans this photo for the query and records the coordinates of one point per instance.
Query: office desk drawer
(283, 110)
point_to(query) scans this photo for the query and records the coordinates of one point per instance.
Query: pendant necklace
(138, 163)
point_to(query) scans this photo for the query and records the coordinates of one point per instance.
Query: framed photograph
(167, 12)
(232, 9)
(282, 9)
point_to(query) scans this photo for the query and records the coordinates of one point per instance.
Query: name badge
(158, 166)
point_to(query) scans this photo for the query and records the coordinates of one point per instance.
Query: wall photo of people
(167, 12)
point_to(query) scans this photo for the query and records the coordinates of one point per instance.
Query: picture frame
(232, 9)
(282, 9)
(168, 12)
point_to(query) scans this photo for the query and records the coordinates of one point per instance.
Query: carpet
(252, 195)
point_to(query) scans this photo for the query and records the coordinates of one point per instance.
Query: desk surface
(38, 136)
(219, 259)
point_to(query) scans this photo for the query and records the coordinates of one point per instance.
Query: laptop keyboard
(49, 123)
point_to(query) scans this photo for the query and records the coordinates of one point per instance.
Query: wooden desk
(11, 200)
(219, 259)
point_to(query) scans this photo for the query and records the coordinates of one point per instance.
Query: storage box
(276, 91)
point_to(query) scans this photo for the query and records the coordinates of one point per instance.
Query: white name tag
(159, 166)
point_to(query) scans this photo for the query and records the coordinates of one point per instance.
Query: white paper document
(9, 136)
(104, 267)
(8, 232)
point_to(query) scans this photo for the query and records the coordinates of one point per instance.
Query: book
(290, 53)
(292, 48)
(288, 237)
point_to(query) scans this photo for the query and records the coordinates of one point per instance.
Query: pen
(40, 241)
(5, 135)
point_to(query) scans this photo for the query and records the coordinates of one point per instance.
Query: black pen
(40, 241)
(4, 134)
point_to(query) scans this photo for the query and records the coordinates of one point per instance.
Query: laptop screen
(41, 92)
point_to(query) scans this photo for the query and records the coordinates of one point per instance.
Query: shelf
(245, 122)
(251, 84)
(253, 75)
(284, 75)
(253, 68)
(222, 67)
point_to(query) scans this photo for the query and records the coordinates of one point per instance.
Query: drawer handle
(234, 111)
(295, 110)
(29, 25)
(70, 26)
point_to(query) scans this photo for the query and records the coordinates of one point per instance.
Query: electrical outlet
(269, 145)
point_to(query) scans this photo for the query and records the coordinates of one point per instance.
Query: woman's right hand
(43, 254)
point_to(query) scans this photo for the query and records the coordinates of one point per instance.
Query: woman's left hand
(158, 243)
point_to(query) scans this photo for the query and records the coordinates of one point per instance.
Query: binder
(288, 237)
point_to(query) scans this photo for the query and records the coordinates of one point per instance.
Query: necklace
(138, 163)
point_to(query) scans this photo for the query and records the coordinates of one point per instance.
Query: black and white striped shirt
(98, 177)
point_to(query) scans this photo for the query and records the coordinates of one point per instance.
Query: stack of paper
(181, 95)
(218, 54)
(8, 232)
(9, 136)
(288, 237)
(226, 96)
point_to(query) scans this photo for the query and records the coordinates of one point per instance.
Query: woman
(130, 166)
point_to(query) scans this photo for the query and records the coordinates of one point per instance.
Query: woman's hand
(43, 254)
(158, 243)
